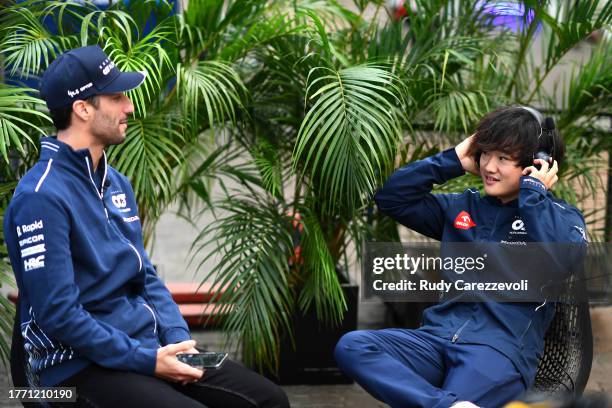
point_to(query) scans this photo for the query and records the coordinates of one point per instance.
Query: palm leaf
(146, 55)
(26, 42)
(589, 89)
(148, 158)
(213, 86)
(459, 107)
(267, 160)
(254, 247)
(7, 309)
(349, 136)
(20, 115)
(322, 286)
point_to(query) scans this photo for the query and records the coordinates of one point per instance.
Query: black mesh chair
(568, 346)
(18, 360)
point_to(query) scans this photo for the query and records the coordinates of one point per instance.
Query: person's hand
(467, 162)
(171, 369)
(546, 174)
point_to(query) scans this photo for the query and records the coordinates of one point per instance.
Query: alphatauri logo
(464, 221)
(106, 66)
(119, 200)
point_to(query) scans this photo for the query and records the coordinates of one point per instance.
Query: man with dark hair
(468, 354)
(94, 314)
(62, 116)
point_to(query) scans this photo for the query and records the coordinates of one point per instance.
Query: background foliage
(299, 110)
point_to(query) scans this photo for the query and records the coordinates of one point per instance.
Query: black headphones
(547, 129)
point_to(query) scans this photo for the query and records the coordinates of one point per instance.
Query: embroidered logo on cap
(464, 221)
(106, 66)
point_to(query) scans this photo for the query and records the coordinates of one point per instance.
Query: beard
(107, 130)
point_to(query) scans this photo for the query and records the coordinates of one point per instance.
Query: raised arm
(406, 196)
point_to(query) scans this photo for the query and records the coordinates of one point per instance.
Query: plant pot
(312, 361)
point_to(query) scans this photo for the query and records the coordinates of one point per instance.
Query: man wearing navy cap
(94, 315)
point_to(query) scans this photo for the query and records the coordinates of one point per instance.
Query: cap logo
(106, 66)
(77, 91)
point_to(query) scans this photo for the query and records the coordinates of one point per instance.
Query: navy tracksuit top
(88, 292)
(515, 329)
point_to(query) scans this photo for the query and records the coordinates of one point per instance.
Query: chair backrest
(568, 346)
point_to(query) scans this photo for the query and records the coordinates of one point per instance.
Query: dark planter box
(312, 361)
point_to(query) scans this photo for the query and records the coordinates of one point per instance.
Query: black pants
(230, 386)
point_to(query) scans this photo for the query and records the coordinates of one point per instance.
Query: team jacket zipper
(100, 195)
(458, 332)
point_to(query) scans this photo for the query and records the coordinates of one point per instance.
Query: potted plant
(306, 106)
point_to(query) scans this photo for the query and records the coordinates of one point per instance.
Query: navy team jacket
(88, 292)
(515, 329)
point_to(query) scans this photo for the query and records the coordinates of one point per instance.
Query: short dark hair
(514, 131)
(61, 116)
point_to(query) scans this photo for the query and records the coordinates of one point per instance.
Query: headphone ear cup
(548, 132)
(542, 155)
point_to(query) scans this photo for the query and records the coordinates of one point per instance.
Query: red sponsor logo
(464, 221)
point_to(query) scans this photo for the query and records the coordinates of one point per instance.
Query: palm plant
(299, 110)
(332, 102)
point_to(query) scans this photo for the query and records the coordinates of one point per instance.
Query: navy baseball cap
(84, 72)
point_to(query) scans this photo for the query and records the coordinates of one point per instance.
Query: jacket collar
(498, 203)
(77, 160)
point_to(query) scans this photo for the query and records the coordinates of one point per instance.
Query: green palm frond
(99, 25)
(148, 158)
(589, 89)
(7, 309)
(146, 55)
(20, 115)
(207, 25)
(349, 137)
(7, 315)
(459, 109)
(331, 13)
(260, 33)
(204, 167)
(254, 245)
(571, 24)
(267, 160)
(27, 44)
(212, 86)
(322, 286)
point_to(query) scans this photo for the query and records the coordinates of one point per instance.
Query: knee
(275, 397)
(347, 343)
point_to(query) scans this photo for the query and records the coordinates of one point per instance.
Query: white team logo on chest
(518, 227)
(119, 200)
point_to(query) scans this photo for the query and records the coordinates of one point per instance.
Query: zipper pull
(455, 337)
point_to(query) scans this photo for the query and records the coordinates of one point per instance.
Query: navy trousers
(413, 368)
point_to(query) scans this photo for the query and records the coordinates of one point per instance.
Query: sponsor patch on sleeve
(34, 263)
